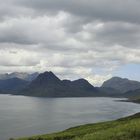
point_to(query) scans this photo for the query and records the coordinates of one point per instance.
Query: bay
(22, 116)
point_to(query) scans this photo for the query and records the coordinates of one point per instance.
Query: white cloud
(90, 43)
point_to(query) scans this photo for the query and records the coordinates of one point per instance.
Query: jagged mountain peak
(45, 78)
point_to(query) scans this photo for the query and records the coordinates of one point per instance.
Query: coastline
(124, 128)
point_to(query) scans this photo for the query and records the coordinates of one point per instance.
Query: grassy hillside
(123, 129)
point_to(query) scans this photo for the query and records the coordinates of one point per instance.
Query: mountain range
(47, 84)
(121, 84)
(20, 75)
(12, 85)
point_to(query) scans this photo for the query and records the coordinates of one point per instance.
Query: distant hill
(133, 96)
(20, 75)
(49, 85)
(2, 92)
(121, 84)
(109, 92)
(12, 85)
(132, 93)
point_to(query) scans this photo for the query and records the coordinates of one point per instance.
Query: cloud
(89, 39)
(96, 9)
(17, 58)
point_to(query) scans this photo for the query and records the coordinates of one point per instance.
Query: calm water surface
(24, 116)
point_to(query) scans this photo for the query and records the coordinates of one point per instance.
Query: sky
(91, 39)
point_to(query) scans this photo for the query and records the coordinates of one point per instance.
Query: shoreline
(97, 130)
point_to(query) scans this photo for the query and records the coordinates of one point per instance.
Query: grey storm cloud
(71, 38)
(127, 10)
(120, 18)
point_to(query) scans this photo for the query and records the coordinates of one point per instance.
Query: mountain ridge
(49, 85)
(121, 84)
(12, 85)
(20, 75)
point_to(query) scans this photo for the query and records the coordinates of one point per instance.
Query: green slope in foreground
(123, 129)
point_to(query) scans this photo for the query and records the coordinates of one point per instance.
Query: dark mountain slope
(132, 94)
(109, 92)
(49, 85)
(12, 85)
(121, 84)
